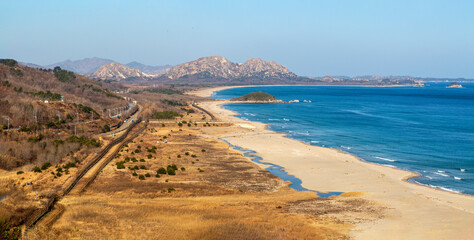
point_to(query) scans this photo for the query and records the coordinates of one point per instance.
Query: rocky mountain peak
(117, 71)
(220, 67)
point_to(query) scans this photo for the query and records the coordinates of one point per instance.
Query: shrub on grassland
(46, 165)
(120, 165)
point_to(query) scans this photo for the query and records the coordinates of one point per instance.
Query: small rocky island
(454, 85)
(259, 97)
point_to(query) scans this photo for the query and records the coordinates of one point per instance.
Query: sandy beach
(413, 211)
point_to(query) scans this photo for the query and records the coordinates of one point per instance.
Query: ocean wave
(441, 171)
(446, 189)
(250, 114)
(438, 187)
(286, 119)
(388, 165)
(273, 119)
(441, 174)
(462, 170)
(345, 147)
(302, 133)
(386, 159)
(457, 178)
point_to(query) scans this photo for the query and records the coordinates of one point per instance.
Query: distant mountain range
(84, 66)
(219, 70)
(89, 66)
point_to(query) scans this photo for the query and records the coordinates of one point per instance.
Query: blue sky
(313, 38)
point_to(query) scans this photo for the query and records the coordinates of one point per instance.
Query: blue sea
(427, 130)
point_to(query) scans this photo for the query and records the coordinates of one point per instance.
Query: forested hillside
(30, 95)
(50, 115)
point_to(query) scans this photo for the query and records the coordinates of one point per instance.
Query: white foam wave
(447, 189)
(457, 178)
(438, 187)
(345, 147)
(286, 119)
(440, 171)
(441, 174)
(462, 170)
(388, 165)
(314, 141)
(300, 133)
(386, 159)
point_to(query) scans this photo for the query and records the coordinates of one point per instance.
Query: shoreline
(385, 185)
(410, 174)
(208, 92)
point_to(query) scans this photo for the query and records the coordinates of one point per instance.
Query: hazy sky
(414, 37)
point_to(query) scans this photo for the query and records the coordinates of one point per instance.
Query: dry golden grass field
(215, 193)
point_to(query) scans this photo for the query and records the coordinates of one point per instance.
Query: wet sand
(413, 211)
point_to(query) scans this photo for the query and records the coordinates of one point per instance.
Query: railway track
(53, 198)
(97, 158)
(204, 110)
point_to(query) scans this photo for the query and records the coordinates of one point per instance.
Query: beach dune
(411, 211)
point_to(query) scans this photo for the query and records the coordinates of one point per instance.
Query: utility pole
(75, 126)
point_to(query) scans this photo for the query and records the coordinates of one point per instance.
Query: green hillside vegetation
(255, 96)
(166, 115)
